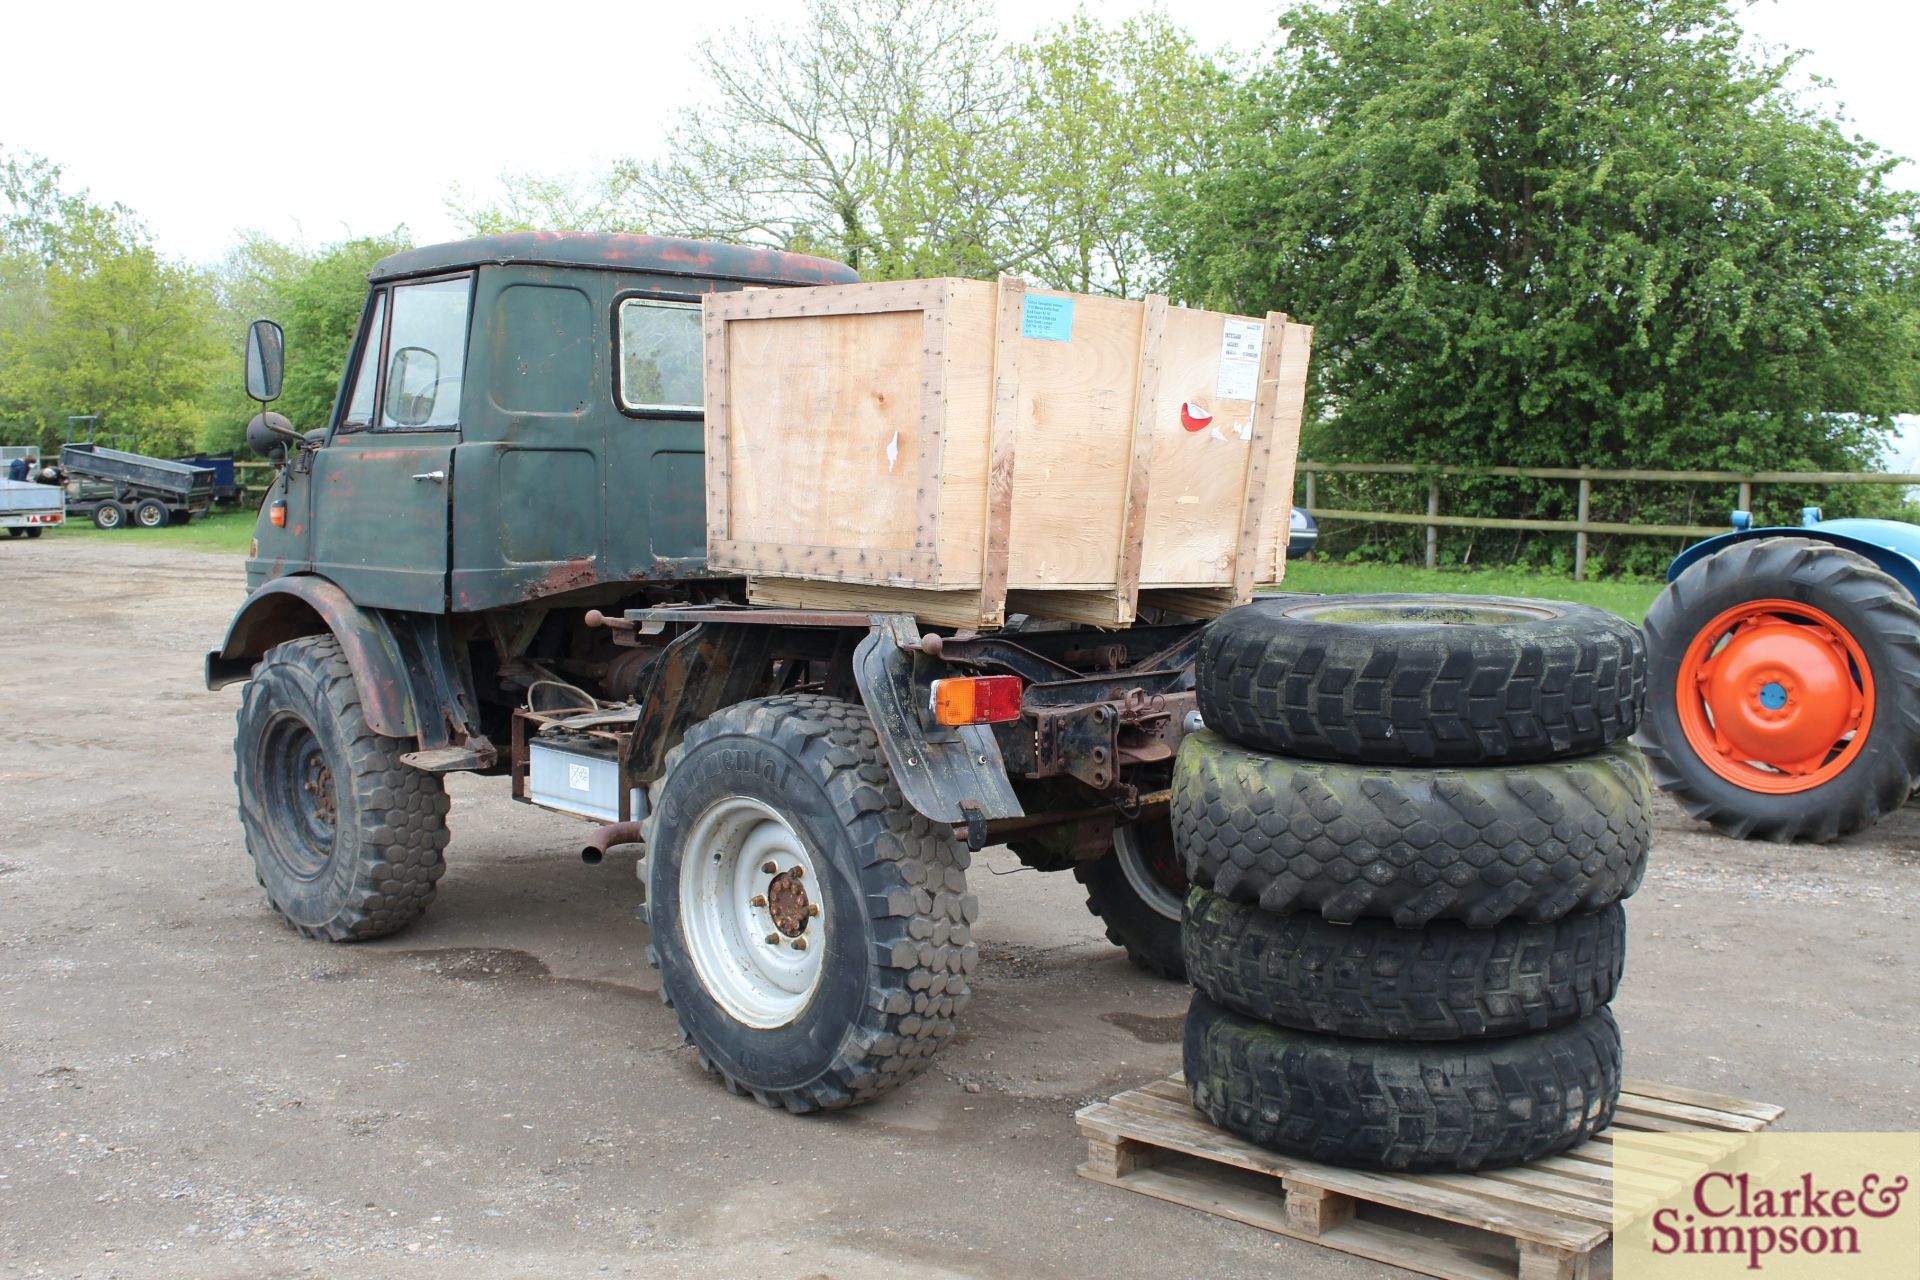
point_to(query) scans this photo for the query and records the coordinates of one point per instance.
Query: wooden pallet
(1549, 1220)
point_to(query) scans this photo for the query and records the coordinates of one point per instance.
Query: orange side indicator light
(977, 699)
(277, 515)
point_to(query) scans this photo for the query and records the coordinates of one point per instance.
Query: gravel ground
(190, 1089)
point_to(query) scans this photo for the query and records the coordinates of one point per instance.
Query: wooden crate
(1548, 1220)
(961, 449)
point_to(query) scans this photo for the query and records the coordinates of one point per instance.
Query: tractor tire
(1409, 679)
(346, 840)
(1137, 890)
(1531, 842)
(1805, 723)
(1372, 980)
(109, 515)
(1479, 1104)
(815, 988)
(150, 513)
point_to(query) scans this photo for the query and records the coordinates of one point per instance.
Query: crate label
(1049, 319)
(1239, 360)
(579, 777)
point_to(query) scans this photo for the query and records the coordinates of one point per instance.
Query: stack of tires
(1410, 822)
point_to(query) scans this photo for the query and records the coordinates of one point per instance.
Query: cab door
(381, 491)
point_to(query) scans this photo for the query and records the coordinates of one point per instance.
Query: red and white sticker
(1194, 418)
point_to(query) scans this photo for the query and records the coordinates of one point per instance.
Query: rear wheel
(34, 533)
(345, 838)
(150, 513)
(1137, 890)
(813, 933)
(1785, 690)
(109, 515)
(16, 533)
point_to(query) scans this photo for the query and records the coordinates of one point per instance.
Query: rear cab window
(660, 360)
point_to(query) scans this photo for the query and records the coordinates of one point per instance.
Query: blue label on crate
(1049, 319)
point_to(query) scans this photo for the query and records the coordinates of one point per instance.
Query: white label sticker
(578, 777)
(1239, 359)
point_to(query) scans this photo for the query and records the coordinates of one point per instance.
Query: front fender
(287, 608)
(1892, 546)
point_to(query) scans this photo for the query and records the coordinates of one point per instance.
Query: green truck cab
(491, 560)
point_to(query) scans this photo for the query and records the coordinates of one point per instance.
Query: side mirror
(266, 360)
(269, 434)
(413, 384)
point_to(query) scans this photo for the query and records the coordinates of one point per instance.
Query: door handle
(438, 477)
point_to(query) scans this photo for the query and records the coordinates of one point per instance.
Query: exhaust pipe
(606, 837)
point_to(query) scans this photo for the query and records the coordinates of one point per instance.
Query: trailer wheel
(109, 515)
(1785, 681)
(150, 513)
(345, 839)
(1138, 891)
(34, 533)
(813, 933)
(16, 533)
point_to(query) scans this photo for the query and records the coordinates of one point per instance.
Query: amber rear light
(976, 699)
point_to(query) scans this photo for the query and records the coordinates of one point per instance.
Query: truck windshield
(660, 355)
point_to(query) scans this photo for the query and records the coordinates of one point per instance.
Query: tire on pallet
(1375, 981)
(1138, 891)
(1462, 1105)
(879, 908)
(1529, 842)
(346, 840)
(1784, 690)
(1412, 679)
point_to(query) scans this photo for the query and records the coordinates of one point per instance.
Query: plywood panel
(1074, 444)
(1199, 460)
(968, 355)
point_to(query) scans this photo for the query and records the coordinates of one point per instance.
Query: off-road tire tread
(1150, 943)
(401, 825)
(914, 874)
(1404, 1106)
(1533, 842)
(1832, 810)
(1422, 694)
(1376, 981)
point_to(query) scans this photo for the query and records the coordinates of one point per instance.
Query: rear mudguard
(1891, 545)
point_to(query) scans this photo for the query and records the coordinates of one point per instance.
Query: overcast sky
(317, 121)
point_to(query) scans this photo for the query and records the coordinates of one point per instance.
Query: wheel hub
(1775, 696)
(787, 903)
(319, 785)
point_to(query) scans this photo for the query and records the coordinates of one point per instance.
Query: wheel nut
(756, 901)
(773, 939)
(798, 872)
(813, 909)
(799, 944)
(768, 867)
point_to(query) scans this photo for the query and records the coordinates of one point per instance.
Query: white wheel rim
(727, 919)
(1146, 885)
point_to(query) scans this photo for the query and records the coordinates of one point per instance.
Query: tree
(93, 319)
(1560, 232)
(317, 296)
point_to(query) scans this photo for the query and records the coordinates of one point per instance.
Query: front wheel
(813, 933)
(344, 837)
(1137, 890)
(1784, 691)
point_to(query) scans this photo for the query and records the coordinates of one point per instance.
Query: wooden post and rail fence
(1582, 525)
(254, 476)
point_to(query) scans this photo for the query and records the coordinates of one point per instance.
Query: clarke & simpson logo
(1780, 1205)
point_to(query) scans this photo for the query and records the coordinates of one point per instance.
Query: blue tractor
(1783, 680)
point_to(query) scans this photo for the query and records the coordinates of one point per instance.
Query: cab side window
(426, 355)
(366, 377)
(660, 366)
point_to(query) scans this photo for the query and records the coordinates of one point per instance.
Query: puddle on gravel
(1146, 1029)
(478, 964)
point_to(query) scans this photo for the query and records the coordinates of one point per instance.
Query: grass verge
(222, 531)
(1628, 597)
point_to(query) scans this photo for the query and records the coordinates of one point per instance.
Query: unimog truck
(492, 559)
